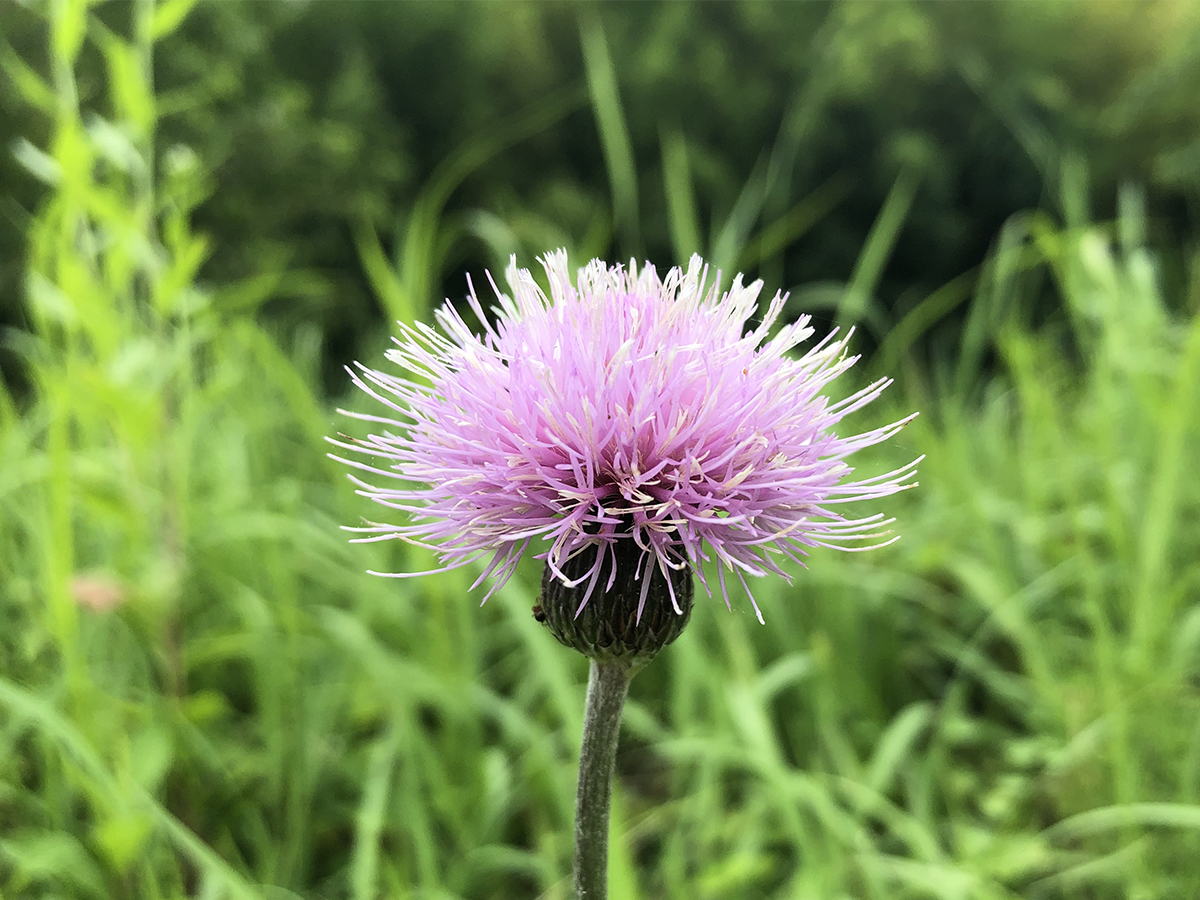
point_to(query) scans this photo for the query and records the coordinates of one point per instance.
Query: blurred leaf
(68, 29)
(776, 237)
(1116, 818)
(33, 87)
(682, 218)
(729, 241)
(370, 819)
(41, 165)
(53, 858)
(895, 745)
(124, 839)
(878, 248)
(168, 16)
(614, 133)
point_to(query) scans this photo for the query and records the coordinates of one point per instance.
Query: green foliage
(202, 694)
(326, 121)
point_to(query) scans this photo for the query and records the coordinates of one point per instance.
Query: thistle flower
(623, 416)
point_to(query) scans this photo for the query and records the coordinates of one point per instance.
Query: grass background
(1004, 704)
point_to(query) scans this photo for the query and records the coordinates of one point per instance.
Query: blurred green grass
(1003, 704)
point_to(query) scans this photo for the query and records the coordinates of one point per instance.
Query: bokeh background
(207, 210)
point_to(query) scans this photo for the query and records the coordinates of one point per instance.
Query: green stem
(608, 683)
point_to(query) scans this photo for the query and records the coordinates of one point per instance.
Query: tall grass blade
(878, 248)
(614, 133)
(683, 220)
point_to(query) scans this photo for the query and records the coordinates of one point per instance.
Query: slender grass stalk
(608, 683)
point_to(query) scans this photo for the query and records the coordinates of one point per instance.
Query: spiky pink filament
(623, 407)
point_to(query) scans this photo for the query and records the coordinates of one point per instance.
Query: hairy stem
(608, 683)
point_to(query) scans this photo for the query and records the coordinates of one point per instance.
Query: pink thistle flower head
(624, 415)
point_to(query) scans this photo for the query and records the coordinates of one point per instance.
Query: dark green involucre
(608, 627)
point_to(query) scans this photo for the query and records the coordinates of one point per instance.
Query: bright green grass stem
(608, 682)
